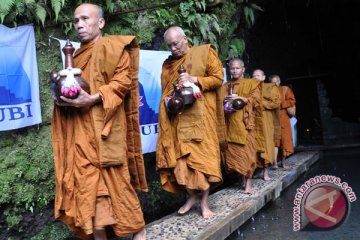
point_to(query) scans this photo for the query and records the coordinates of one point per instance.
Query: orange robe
(94, 169)
(244, 128)
(271, 103)
(187, 152)
(286, 142)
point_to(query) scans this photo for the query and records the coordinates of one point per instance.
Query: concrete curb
(232, 206)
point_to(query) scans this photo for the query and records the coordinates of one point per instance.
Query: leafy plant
(56, 231)
(133, 17)
(17, 11)
(236, 48)
(26, 175)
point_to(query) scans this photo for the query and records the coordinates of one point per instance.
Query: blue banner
(150, 94)
(19, 80)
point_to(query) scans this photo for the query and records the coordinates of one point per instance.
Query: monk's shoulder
(200, 47)
(207, 49)
(118, 41)
(168, 62)
(252, 81)
(270, 86)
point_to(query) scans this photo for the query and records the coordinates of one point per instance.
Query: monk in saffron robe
(96, 137)
(287, 100)
(188, 152)
(244, 126)
(271, 103)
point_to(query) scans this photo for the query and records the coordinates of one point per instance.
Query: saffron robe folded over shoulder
(244, 127)
(271, 104)
(194, 134)
(287, 100)
(97, 150)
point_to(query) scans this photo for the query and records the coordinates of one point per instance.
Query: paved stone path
(232, 206)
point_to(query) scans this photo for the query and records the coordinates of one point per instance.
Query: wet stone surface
(232, 206)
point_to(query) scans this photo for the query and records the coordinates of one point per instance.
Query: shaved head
(275, 79)
(99, 11)
(174, 30)
(176, 41)
(237, 60)
(237, 69)
(89, 22)
(259, 75)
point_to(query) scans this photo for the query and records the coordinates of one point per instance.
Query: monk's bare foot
(284, 165)
(248, 188)
(243, 182)
(248, 191)
(266, 175)
(206, 212)
(188, 205)
(275, 165)
(141, 235)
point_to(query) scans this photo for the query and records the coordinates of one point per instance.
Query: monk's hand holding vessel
(175, 103)
(232, 102)
(68, 82)
(189, 91)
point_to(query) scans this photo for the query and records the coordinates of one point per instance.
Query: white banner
(149, 91)
(19, 80)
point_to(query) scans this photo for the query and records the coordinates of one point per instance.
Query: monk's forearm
(255, 97)
(120, 83)
(209, 83)
(95, 99)
(83, 100)
(214, 73)
(270, 104)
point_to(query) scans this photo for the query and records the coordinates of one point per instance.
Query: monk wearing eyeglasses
(188, 152)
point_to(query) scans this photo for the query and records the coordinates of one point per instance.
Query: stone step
(232, 206)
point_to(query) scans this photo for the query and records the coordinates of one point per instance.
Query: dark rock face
(305, 42)
(31, 224)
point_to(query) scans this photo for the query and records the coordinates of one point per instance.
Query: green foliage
(18, 11)
(12, 219)
(109, 6)
(48, 59)
(5, 7)
(40, 13)
(55, 231)
(56, 6)
(143, 27)
(26, 174)
(201, 25)
(248, 9)
(237, 47)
